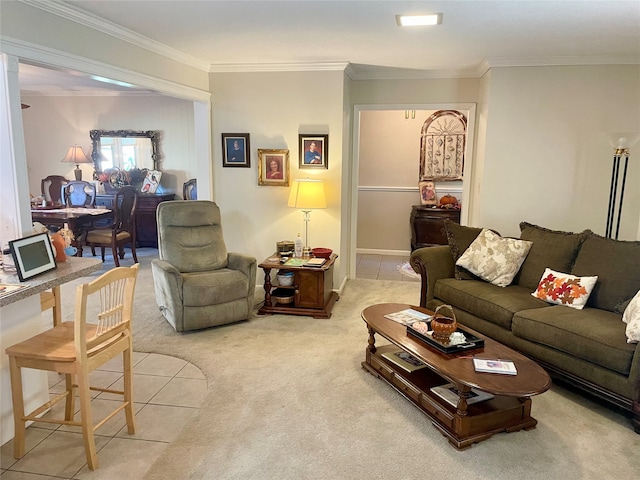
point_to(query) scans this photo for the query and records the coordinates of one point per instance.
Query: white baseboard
(375, 251)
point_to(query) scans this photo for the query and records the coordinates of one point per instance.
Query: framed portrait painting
(236, 150)
(273, 167)
(314, 151)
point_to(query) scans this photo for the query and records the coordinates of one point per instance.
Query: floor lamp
(307, 195)
(621, 142)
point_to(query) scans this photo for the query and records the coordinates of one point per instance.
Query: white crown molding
(277, 67)
(63, 60)
(561, 61)
(82, 17)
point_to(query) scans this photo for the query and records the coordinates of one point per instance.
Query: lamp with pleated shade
(76, 155)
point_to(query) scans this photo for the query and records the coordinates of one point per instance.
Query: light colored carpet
(288, 399)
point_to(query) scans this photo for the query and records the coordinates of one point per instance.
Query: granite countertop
(72, 268)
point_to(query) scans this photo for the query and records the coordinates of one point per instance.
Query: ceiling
(262, 35)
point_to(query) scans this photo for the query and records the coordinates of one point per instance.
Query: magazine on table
(451, 394)
(408, 316)
(404, 360)
(504, 367)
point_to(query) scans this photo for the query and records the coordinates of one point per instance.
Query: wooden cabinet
(146, 226)
(427, 225)
(312, 289)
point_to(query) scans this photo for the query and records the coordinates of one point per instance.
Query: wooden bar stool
(76, 349)
(51, 299)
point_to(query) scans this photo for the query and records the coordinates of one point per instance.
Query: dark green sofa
(585, 348)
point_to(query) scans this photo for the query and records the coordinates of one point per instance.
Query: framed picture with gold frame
(273, 167)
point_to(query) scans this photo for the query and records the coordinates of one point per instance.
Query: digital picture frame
(33, 255)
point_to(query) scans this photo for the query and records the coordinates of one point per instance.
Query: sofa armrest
(431, 263)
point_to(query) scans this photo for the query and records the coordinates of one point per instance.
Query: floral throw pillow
(494, 258)
(564, 289)
(631, 317)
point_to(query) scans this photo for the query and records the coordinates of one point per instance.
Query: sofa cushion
(494, 258)
(617, 265)
(631, 318)
(564, 289)
(494, 304)
(591, 334)
(553, 249)
(459, 238)
(201, 289)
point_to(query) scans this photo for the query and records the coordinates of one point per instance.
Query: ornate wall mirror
(125, 150)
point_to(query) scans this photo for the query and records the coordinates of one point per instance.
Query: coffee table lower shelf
(463, 429)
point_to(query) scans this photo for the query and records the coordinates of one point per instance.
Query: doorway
(384, 189)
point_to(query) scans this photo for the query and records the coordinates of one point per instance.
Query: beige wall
(274, 108)
(388, 172)
(53, 124)
(545, 160)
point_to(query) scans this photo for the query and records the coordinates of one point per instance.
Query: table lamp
(621, 142)
(76, 155)
(307, 194)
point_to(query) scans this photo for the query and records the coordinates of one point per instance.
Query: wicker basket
(282, 295)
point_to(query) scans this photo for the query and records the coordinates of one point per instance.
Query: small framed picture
(427, 193)
(314, 151)
(151, 181)
(273, 167)
(33, 255)
(235, 150)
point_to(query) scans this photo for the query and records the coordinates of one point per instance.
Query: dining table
(78, 219)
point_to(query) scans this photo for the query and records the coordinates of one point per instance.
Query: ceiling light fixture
(418, 20)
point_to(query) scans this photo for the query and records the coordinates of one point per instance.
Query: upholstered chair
(198, 284)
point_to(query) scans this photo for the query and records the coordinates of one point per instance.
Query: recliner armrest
(432, 263)
(243, 263)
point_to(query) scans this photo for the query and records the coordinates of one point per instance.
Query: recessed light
(418, 20)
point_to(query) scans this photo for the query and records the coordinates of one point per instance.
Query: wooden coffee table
(463, 425)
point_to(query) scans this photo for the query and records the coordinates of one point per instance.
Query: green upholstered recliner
(198, 284)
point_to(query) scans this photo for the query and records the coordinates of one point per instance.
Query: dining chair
(51, 188)
(51, 299)
(100, 331)
(78, 193)
(190, 189)
(123, 229)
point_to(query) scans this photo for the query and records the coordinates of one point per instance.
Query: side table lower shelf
(324, 312)
(480, 421)
(312, 289)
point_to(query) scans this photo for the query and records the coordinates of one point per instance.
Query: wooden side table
(427, 225)
(312, 289)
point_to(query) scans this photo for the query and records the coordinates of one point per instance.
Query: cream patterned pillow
(494, 258)
(564, 289)
(631, 317)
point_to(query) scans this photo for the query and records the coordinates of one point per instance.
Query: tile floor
(168, 391)
(382, 267)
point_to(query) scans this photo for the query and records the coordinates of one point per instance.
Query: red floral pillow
(564, 289)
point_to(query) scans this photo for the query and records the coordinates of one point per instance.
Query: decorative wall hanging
(442, 146)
